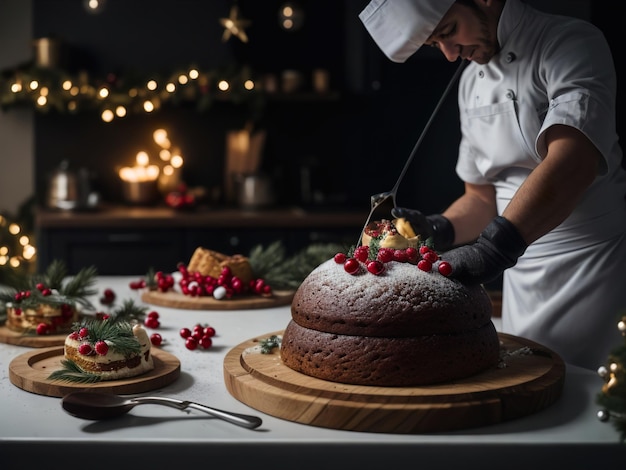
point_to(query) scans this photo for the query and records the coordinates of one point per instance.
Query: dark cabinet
(125, 241)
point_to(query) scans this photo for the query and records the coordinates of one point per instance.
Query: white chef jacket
(568, 290)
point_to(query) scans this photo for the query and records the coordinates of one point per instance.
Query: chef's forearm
(471, 213)
(554, 188)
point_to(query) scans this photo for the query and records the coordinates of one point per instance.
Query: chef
(544, 200)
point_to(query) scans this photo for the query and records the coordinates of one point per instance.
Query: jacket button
(510, 94)
(510, 57)
(481, 74)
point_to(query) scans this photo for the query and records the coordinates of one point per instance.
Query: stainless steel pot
(70, 190)
(254, 191)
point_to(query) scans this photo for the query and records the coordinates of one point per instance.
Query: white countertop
(566, 433)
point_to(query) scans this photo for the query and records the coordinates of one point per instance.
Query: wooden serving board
(30, 372)
(527, 384)
(30, 340)
(186, 302)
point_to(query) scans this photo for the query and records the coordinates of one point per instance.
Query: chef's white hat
(400, 27)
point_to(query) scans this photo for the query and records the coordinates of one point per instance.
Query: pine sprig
(117, 333)
(71, 372)
(130, 312)
(281, 272)
(73, 292)
(268, 344)
(82, 285)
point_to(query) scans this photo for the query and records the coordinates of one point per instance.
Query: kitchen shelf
(126, 240)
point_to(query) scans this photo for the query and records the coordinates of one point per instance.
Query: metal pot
(69, 190)
(254, 191)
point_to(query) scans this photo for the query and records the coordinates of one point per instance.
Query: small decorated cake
(388, 317)
(106, 349)
(49, 303)
(212, 263)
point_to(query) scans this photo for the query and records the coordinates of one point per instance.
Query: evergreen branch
(130, 312)
(117, 333)
(71, 372)
(268, 344)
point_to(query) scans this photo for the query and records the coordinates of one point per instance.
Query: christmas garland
(46, 89)
(613, 395)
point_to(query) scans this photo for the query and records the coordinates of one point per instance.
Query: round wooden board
(30, 372)
(33, 341)
(178, 300)
(528, 384)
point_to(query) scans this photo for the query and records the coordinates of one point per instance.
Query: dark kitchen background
(325, 150)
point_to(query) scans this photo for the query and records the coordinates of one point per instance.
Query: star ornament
(234, 26)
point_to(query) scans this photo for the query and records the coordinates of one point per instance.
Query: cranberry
(400, 256)
(191, 343)
(101, 348)
(431, 256)
(361, 253)
(375, 267)
(209, 331)
(156, 339)
(43, 329)
(425, 265)
(340, 258)
(85, 349)
(351, 266)
(385, 255)
(83, 332)
(153, 314)
(411, 254)
(205, 342)
(152, 322)
(185, 333)
(445, 268)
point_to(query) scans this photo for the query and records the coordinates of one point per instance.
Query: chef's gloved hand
(436, 226)
(497, 248)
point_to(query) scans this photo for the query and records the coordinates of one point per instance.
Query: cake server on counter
(382, 203)
(99, 406)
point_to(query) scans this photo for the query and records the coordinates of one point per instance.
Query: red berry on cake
(425, 265)
(340, 258)
(83, 332)
(431, 256)
(375, 267)
(400, 256)
(351, 266)
(412, 254)
(85, 349)
(101, 347)
(445, 268)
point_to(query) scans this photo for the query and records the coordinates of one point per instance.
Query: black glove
(497, 248)
(436, 226)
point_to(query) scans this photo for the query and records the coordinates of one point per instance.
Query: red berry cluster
(108, 297)
(196, 284)
(200, 336)
(152, 320)
(100, 347)
(425, 258)
(44, 328)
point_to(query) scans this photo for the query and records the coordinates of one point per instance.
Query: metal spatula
(383, 203)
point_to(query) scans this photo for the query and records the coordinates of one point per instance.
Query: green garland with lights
(612, 398)
(115, 96)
